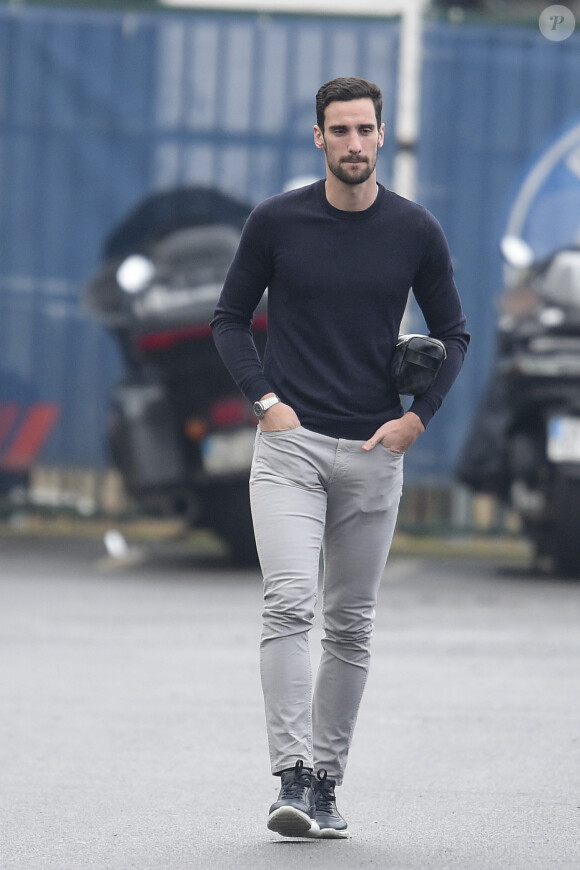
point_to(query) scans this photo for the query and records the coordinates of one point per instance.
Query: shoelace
(294, 787)
(325, 799)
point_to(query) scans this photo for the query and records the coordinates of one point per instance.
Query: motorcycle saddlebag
(144, 438)
(415, 363)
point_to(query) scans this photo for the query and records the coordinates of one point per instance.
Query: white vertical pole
(407, 121)
(408, 99)
(405, 174)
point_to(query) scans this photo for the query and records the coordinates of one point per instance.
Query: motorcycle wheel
(229, 514)
(566, 530)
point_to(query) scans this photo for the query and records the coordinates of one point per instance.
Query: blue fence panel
(491, 98)
(97, 110)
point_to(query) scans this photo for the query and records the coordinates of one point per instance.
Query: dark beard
(343, 175)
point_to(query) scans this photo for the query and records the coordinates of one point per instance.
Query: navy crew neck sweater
(338, 283)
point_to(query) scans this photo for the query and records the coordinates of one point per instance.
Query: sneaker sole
(290, 822)
(332, 834)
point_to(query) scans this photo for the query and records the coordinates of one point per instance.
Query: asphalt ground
(132, 729)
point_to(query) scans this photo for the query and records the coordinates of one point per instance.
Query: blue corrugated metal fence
(491, 98)
(98, 109)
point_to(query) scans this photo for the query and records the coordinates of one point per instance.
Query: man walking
(338, 258)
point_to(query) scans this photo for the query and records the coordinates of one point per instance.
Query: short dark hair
(343, 90)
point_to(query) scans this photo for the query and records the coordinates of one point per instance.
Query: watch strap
(264, 404)
(267, 403)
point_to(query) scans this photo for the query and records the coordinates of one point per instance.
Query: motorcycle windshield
(546, 210)
(187, 238)
(554, 220)
(561, 282)
(188, 268)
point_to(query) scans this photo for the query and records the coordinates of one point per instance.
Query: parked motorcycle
(524, 444)
(178, 430)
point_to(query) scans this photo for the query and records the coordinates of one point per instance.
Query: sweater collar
(350, 215)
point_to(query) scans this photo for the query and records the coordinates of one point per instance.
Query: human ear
(381, 136)
(318, 137)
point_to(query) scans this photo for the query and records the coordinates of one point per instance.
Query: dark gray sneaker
(330, 822)
(293, 814)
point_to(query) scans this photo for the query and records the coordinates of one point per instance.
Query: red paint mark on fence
(8, 413)
(30, 436)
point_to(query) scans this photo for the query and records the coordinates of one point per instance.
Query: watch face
(258, 410)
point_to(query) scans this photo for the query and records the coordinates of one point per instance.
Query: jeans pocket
(278, 432)
(382, 483)
(389, 451)
(283, 457)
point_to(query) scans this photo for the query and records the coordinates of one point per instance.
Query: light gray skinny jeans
(308, 492)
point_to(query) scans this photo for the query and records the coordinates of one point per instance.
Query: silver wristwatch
(262, 406)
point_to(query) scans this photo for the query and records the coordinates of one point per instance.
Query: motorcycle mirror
(516, 252)
(134, 273)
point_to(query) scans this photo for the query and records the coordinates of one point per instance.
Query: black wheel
(566, 529)
(228, 512)
(11, 480)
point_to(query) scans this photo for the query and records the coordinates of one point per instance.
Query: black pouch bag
(415, 363)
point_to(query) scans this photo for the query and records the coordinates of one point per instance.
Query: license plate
(564, 439)
(228, 452)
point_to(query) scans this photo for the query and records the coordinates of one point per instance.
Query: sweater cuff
(257, 389)
(424, 411)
